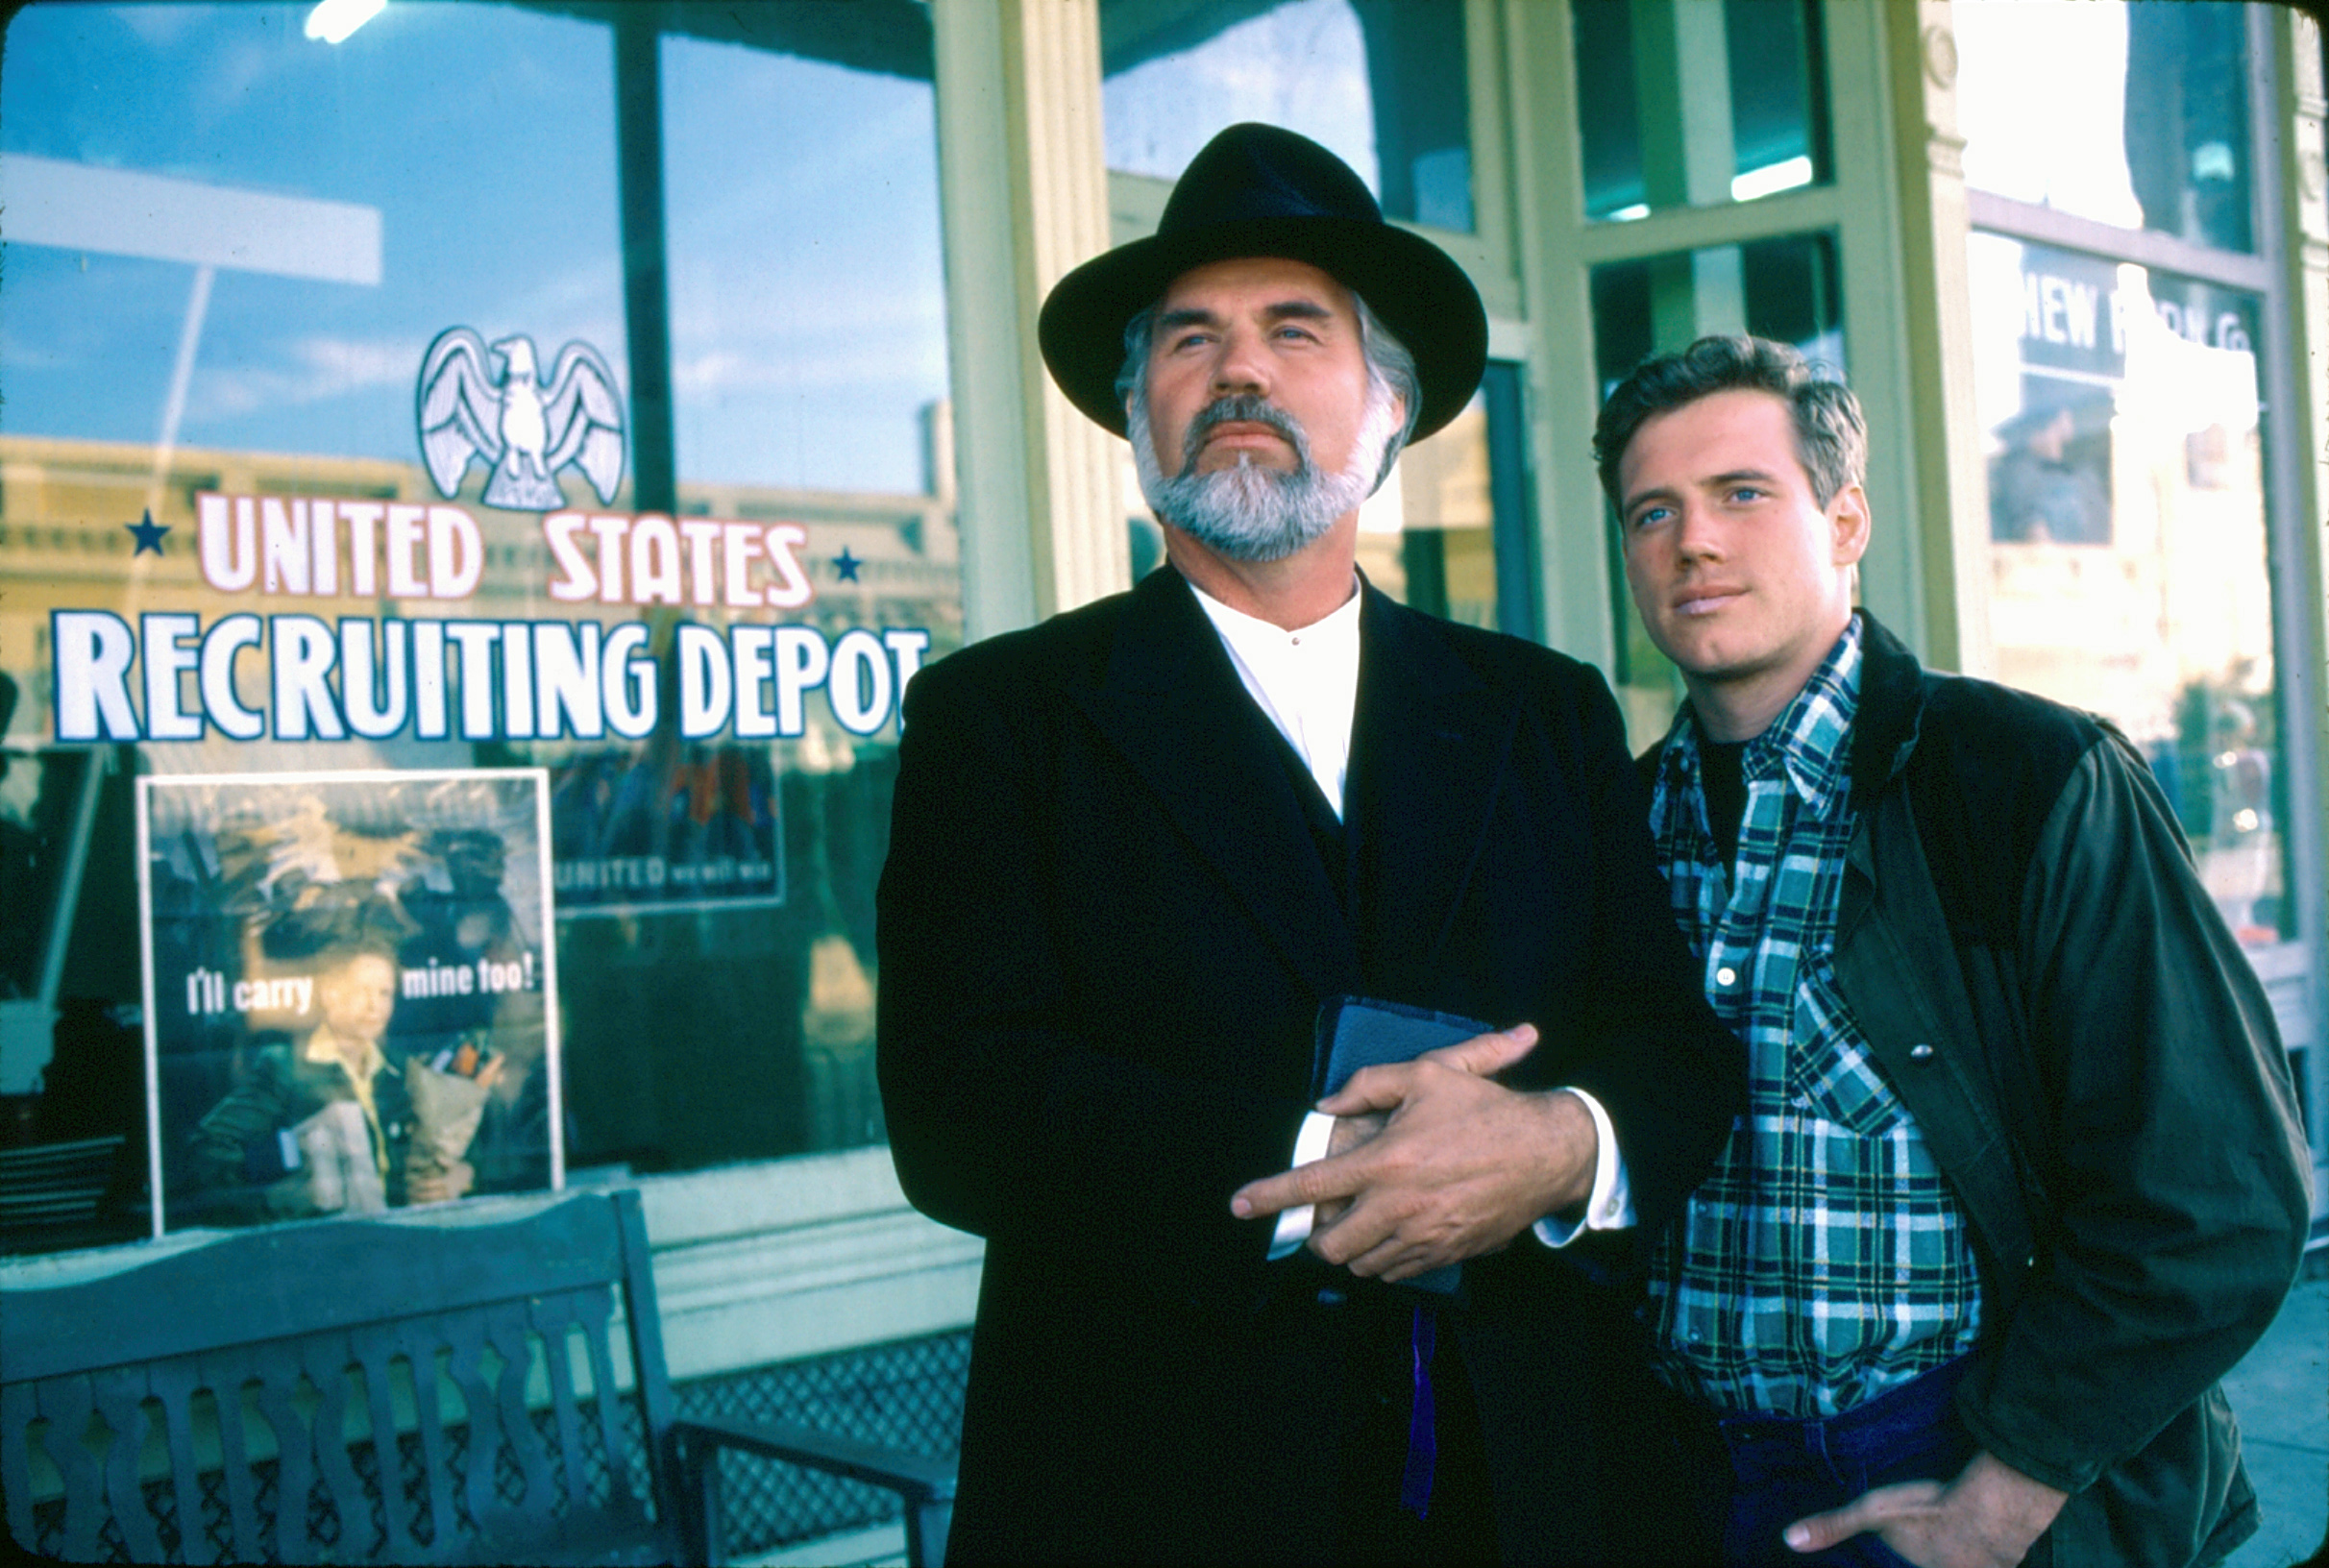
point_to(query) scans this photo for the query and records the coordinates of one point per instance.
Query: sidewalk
(2281, 1395)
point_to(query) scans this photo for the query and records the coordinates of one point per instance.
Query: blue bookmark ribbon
(1423, 1448)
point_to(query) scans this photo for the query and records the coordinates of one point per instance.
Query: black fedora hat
(1261, 190)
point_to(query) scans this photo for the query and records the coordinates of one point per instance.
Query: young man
(323, 1127)
(2020, 1174)
(1134, 849)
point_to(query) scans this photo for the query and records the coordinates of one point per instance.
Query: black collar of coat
(1891, 707)
(1430, 741)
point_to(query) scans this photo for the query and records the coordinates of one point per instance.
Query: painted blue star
(147, 533)
(846, 565)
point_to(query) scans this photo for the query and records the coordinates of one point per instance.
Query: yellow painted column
(1573, 586)
(2303, 98)
(1950, 487)
(2306, 97)
(1026, 193)
(1088, 553)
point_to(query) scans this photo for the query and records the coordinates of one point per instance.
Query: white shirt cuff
(1309, 1144)
(1610, 1207)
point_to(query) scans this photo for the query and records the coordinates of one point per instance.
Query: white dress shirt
(1307, 682)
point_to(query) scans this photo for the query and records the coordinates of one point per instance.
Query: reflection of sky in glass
(1302, 65)
(808, 295)
(417, 115)
(2042, 104)
(485, 137)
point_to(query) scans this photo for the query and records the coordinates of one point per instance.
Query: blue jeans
(1783, 1470)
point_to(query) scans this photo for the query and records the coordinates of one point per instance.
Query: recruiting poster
(665, 826)
(351, 995)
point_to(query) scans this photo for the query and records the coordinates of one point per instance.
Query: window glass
(1787, 289)
(808, 322)
(1428, 538)
(2129, 570)
(2129, 114)
(809, 380)
(41, 793)
(1683, 104)
(1382, 83)
(336, 446)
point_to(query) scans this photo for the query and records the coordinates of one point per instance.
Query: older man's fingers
(1314, 1182)
(1385, 1088)
(1322, 1181)
(1367, 1226)
(1485, 1055)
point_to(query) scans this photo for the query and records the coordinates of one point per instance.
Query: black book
(1357, 1032)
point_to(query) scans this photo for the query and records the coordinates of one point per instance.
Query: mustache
(1243, 408)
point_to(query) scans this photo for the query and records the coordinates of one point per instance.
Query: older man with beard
(1136, 849)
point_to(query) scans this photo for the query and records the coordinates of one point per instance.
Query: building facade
(634, 396)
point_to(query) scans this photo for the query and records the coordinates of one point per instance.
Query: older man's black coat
(1105, 925)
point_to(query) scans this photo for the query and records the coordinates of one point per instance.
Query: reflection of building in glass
(2240, 864)
(2158, 612)
(2187, 129)
(873, 559)
(1758, 119)
(2047, 485)
(1425, 537)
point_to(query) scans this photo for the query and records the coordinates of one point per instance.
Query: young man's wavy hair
(1831, 436)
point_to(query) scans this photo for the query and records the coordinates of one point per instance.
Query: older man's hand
(1349, 1133)
(1461, 1167)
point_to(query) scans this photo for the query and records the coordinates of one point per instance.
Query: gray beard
(1250, 513)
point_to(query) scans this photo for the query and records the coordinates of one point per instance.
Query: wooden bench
(450, 1389)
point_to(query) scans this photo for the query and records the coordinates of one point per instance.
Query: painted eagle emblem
(491, 402)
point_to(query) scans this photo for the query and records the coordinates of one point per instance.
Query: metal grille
(907, 1394)
(411, 1463)
(217, 1526)
(161, 1502)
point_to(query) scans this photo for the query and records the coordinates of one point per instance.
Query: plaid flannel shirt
(1825, 1260)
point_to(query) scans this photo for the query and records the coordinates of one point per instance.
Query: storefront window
(809, 385)
(2129, 570)
(1382, 83)
(2131, 114)
(1787, 289)
(1682, 103)
(342, 436)
(1447, 533)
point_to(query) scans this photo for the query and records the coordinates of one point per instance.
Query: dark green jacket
(232, 1161)
(2095, 1065)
